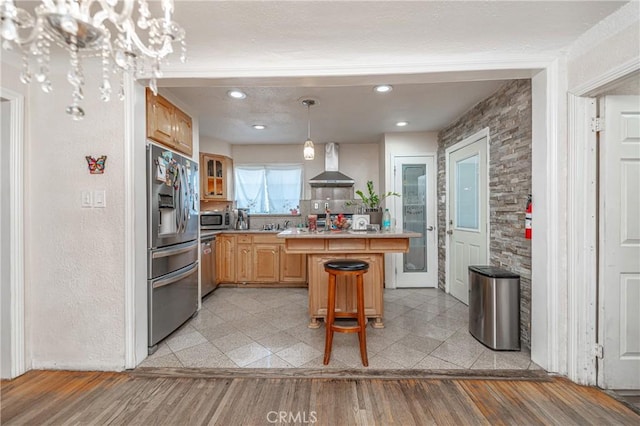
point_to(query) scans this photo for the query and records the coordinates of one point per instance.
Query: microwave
(214, 220)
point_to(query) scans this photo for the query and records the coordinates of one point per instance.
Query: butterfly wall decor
(96, 167)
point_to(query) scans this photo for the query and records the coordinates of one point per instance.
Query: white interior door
(619, 280)
(415, 210)
(467, 195)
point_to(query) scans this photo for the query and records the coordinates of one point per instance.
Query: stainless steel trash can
(494, 307)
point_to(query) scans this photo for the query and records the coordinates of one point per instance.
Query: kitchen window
(268, 188)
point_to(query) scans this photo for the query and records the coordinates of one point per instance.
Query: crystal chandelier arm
(49, 4)
(124, 23)
(158, 54)
(108, 12)
(32, 35)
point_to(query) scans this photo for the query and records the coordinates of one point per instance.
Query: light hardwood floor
(195, 397)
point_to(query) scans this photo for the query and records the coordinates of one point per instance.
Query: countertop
(205, 234)
(303, 233)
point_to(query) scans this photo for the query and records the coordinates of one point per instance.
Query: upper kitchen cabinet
(168, 124)
(215, 171)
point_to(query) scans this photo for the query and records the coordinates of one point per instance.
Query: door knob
(450, 232)
(429, 228)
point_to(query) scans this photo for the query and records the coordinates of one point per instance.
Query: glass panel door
(414, 215)
(415, 211)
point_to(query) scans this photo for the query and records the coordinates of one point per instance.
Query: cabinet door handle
(429, 228)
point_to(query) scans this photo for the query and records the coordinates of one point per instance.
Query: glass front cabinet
(215, 170)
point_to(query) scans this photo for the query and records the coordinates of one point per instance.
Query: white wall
(215, 146)
(613, 42)
(407, 143)
(75, 256)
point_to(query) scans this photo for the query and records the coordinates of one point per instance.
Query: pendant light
(309, 150)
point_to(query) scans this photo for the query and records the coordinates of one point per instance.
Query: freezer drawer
(168, 259)
(494, 307)
(173, 299)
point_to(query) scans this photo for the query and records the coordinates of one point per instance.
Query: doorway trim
(16, 229)
(484, 133)
(582, 255)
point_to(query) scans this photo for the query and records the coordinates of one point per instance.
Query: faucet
(286, 224)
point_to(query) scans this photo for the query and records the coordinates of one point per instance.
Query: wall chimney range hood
(331, 177)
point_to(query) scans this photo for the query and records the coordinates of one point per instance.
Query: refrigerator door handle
(174, 278)
(185, 199)
(172, 252)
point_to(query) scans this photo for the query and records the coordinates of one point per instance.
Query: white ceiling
(334, 52)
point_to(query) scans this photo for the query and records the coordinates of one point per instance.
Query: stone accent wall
(507, 114)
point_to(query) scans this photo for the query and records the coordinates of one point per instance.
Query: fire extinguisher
(527, 219)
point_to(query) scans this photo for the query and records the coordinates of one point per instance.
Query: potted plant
(371, 202)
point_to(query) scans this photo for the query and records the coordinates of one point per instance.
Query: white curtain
(284, 186)
(270, 189)
(250, 188)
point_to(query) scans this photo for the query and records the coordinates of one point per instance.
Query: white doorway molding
(16, 351)
(549, 288)
(582, 235)
(548, 253)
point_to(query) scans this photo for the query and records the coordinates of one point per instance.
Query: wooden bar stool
(346, 267)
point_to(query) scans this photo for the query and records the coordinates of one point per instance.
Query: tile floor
(267, 328)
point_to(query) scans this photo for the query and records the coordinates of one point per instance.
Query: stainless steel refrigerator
(172, 241)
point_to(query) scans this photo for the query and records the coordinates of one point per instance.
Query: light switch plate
(86, 199)
(100, 198)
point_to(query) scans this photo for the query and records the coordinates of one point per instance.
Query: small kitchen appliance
(242, 219)
(215, 220)
(359, 222)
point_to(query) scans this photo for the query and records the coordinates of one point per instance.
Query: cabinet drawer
(267, 238)
(389, 245)
(347, 245)
(244, 239)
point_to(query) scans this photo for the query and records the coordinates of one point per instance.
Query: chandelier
(86, 28)
(308, 149)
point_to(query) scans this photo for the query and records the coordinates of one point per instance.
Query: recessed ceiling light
(383, 88)
(236, 94)
(259, 126)
(402, 123)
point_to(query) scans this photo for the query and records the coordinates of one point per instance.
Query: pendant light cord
(308, 121)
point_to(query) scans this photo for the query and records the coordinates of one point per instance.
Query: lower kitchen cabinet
(266, 263)
(293, 267)
(225, 258)
(259, 259)
(346, 289)
(244, 263)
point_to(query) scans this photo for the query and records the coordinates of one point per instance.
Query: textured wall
(612, 42)
(507, 114)
(75, 256)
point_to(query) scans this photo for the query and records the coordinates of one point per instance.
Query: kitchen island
(321, 247)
